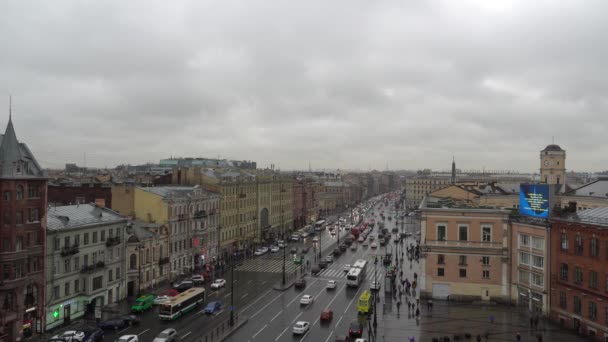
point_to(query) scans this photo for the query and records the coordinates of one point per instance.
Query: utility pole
(375, 297)
(232, 292)
(284, 247)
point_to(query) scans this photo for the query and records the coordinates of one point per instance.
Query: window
(118, 273)
(103, 235)
(593, 279)
(76, 263)
(485, 274)
(462, 260)
(524, 258)
(86, 260)
(66, 266)
(485, 260)
(538, 261)
(86, 238)
(33, 215)
(7, 218)
(32, 190)
(538, 243)
(463, 233)
(564, 242)
(76, 285)
(77, 239)
(538, 279)
(56, 292)
(563, 300)
(94, 237)
(577, 305)
(578, 244)
(441, 259)
(19, 192)
(524, 276)
(7, 195)
(66, 241)
(594, 247)
(440, 272)
(67, 289)
(19, 218)
(463, 273)
(578, 275)
(97, 283)
(56, 243)
(18, 243)
(486, 234)
(592, 310)
(563, 272)
(110, 276)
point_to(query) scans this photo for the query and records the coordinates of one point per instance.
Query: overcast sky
(339, 84)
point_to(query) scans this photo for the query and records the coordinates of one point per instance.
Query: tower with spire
(23, 206)
(453, 177)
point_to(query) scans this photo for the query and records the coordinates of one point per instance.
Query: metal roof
(598, 188)
(75, 216)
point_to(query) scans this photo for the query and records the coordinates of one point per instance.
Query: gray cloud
(342, 84)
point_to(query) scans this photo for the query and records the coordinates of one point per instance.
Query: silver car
(167, 335)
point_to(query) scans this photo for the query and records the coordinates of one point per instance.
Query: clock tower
(553, 165)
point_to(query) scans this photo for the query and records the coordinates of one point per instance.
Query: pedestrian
(518, 336)
(539, 337)
(478, 338)
(417, 312)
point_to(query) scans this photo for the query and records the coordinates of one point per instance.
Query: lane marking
(122, 330)
(219, 312)
(264, 307)
(262, 296)
(188, 333)
(277, 315)
(245, 295)
(331, 333)
(303, 337)
(259, 331)
(227, 295)
(278, 337)
(143, 332)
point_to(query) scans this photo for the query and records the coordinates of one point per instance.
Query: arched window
(133, 261)
(19, 192)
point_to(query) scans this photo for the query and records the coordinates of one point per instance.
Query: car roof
(302, 322)
(168, 330)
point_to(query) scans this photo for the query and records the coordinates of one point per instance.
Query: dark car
(112, 323)
(305, 250)
(212, 307)
(92, 334)
(183, 286)
(315, 270)
(300, 283)
(337, 251)
(343, 247)
(294, 250)
(322, 264)
(355, 329)
(131, 319)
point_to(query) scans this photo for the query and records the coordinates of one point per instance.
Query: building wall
(123, 199)
(471, 284)
(526, 291)
(149, 207)
(553, 167)
(417, 187)
(584, 202)
(567, 287)
(86, 193)
(147, 261)
(500, 201)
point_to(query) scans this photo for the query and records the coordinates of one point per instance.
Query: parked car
(274, 249)
(365, 244)
(337, 252)
(258, 252)
(198, 279)
(315, 270)
(353, 247)
(322, 264)
(167, 335)
(329, 259)
(212, 307)
(70, 336)
(264, 250)
(331, 284)
(161, 299)
(374, 245)
(300, 328)
(127, 338)
(293, 250)
(327, 315)
(143, 303)
(92, 334)
(307, 299)
(295, 237)
(374, 286)
(131, 319)
(218, 283)
(315, 239)
(300, 283)
(355, 329)
(183, 285)
(346, 268)
(112, 323)
(343, 247)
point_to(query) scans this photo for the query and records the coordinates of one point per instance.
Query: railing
(458, 243)
(93, 267)
(69, 250)
(113, 241)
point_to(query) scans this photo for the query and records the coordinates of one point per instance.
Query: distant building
(553, 165)
(208, 162)
(68, 193)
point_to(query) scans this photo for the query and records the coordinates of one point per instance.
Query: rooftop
(598, 188)
(596, 216)
(16, 159)
(74, 216)
(553, 147)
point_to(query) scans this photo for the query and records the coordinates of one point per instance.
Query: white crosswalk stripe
(268, 266)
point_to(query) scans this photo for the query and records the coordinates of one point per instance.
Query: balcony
(94, 267)
(69, 250)
(461, 244)
(163, 261)
(200, 215)
(113, 241)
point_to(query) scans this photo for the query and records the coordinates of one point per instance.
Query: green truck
(143, 303)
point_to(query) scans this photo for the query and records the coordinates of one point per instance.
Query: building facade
(147, 256)
(85, 262)
(464, 253)
(553, 165)
(23, 206)
(579, 275)
(77, 193)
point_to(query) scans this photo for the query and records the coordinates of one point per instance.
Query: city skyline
(342, 85)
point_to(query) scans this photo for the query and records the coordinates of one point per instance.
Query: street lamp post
(375, 297)
(338, 233)
(232, 292)
(320, 236)
(284, 256)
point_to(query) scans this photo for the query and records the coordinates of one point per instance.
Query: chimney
(100, 202)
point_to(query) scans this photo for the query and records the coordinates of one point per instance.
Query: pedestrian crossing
(268, 265)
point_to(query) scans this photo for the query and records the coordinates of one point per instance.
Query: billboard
(535, 200)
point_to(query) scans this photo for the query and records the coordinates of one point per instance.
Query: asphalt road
(272, 318)
(254, 281)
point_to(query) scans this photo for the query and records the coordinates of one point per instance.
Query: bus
(364, 305)
(357, 273)
(320, 225)
(182, 303)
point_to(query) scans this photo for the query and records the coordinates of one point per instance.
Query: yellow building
(553, 165)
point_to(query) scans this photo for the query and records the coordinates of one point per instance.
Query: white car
(258, 252)
(274, 249)
(331, 284)
(375, 285)
(70, 335)
(218, 283)
(315, 239)
(301, 328)
(264, 250)
(361, 340)
(374, 245)
(346, 268)
(161, 299)
(304, 234)
(127, 338)
(281, 245)
(167, 335)
(306, 299)
(295, 237)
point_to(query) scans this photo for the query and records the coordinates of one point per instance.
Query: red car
(327, 315)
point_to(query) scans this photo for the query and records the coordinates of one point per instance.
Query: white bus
(320, 225)
(182, 303)
(357, 273)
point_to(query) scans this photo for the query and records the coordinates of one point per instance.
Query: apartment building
(147, 255)
(85, 262)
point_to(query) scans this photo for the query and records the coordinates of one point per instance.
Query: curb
(236, 327)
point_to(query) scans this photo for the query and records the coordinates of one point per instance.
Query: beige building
(464, 252)
(530, 265)
(553, 165)
(147, 255)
